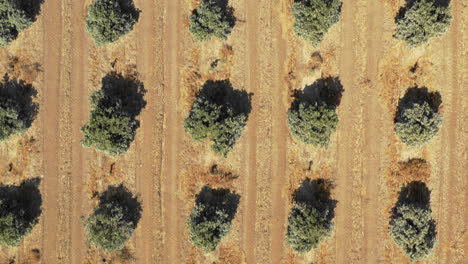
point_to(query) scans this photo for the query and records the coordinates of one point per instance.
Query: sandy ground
(262, 56)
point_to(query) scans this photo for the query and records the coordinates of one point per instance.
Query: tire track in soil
(52, 23)
(169, 176)
(265, 52)
(373, 146)
(68, 244)
(149, 60)
(250, 168)
(279, 147)
(79, 55)
(349, 139)
(453, 145)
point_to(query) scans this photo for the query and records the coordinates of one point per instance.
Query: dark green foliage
(114, 220)
(213, 18)
(17, 110)
(312, 123)
(219, 113)
(211, 217)
(108, 20)
(112, 124)
(312, 117)
(418, 119)
(310, 220)
(411, 226)
(15, 16)
(20, 208)
(313, 18)
(422, 20)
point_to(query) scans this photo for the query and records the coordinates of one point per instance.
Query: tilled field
(263, 56)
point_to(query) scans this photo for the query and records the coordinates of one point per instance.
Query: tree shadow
(416, 95)
(414, 193)
(129, 8)
(18, 92)
(24, 201)
(218, 199)
(326, 90)
(31, 7)
(123, 94)
(316, 193)
(222, 93)
(409, 3)
(122, 197)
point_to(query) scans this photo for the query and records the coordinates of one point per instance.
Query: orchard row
(109, 20)
(310, 221)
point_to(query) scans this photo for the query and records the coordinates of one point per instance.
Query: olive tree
(417, 119)
(312, 123)
(422, 20)
(211, 217)
(307, 227)
(310, 219)
(112, 123)
(17, 110)
(412, 226)
(211, 19)
(16, 16)
(312, 117)
(114, 220)
(20, 208)
(417, 124)
(108, 20)
(313, 18)
(219, 113)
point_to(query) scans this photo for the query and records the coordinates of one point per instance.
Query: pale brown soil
(52, 19)
(365, 161)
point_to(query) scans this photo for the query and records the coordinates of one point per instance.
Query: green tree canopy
(219, 113)
(15, 16)
(422, 20)
(212, 18)
(108, 20)
(211, 217)
(20, 208)
(412, 226)
(312, 117)
(17, 109)
(313, 18)
(418, 119)
(310, 220)
(114, 220)
(112, 124)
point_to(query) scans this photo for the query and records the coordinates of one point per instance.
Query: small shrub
(16, 16)
(411, 226)
(422, 20)
(112, 124)
(211, 217)
(20, 208)
(114, 220)
(417, 119)
(313, 18)
(17, 111)
(108, 20)
(310, 220)
(211, 19)
(220, 114)
(312, 117)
